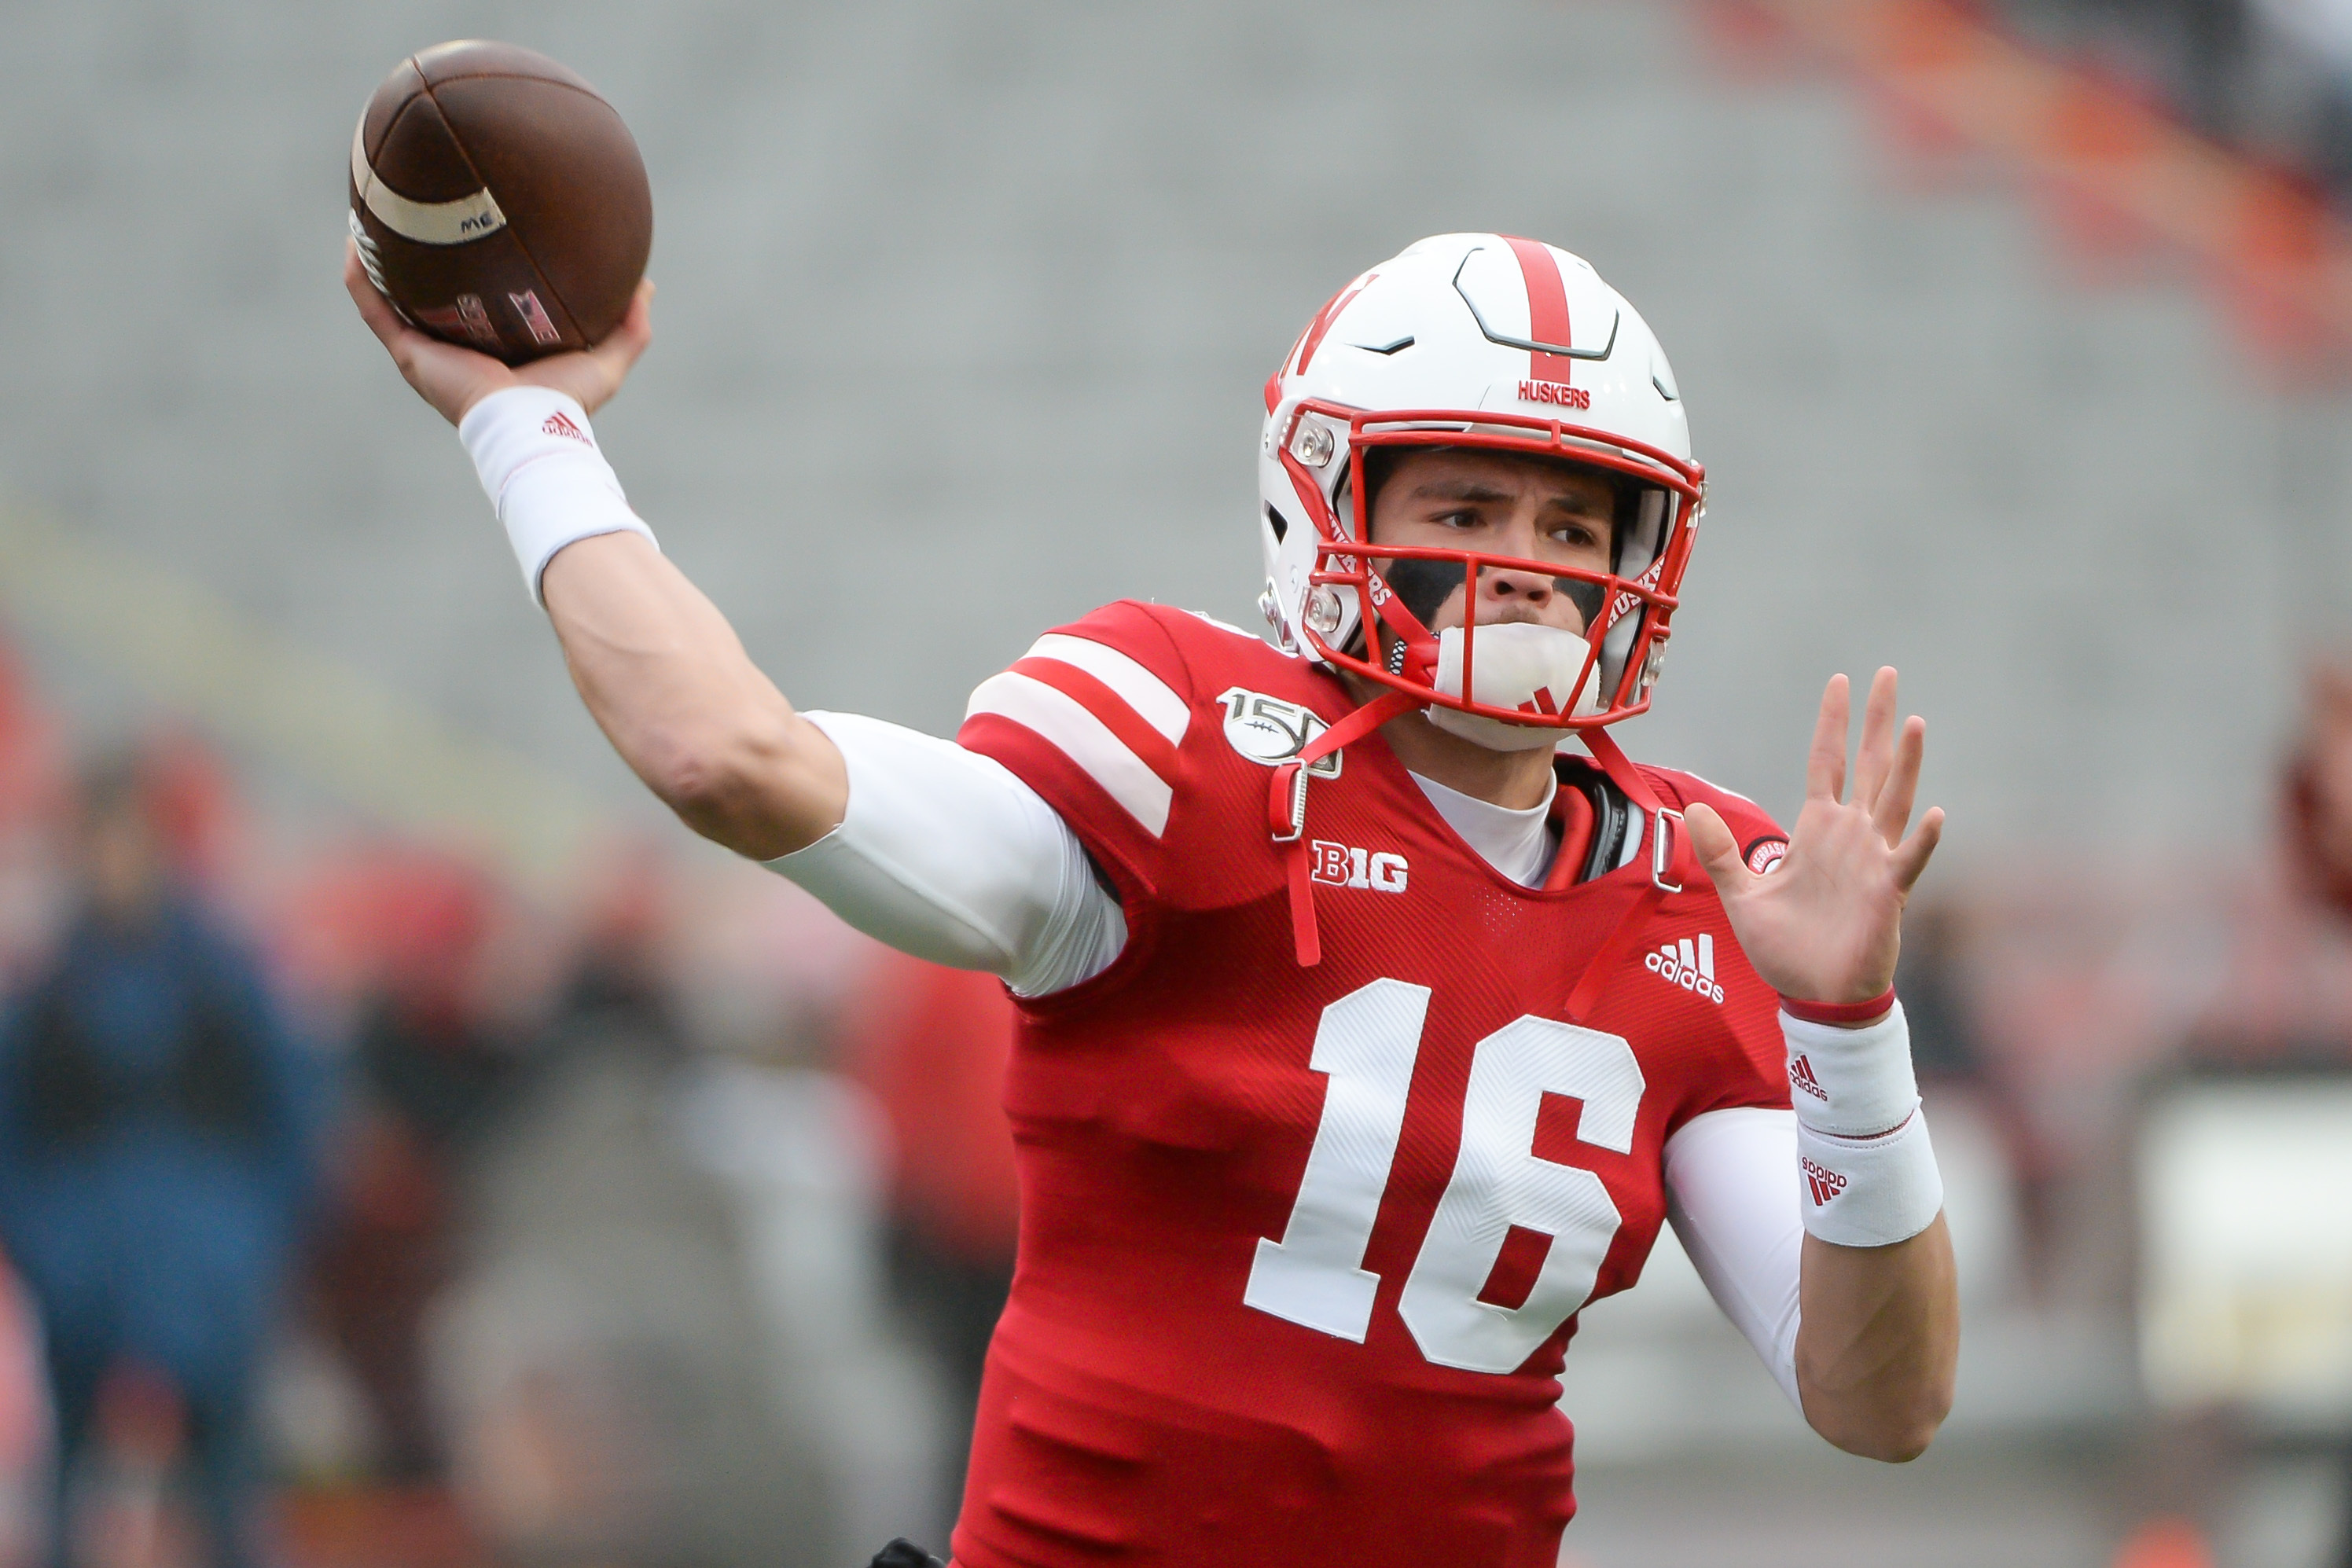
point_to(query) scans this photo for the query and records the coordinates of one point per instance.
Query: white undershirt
(946, 854)
(1514, 840)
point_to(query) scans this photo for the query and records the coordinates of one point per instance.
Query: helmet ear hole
(1379, 463)
(1280, 526)
(1343, 498)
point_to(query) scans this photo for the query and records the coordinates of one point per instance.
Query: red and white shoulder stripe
(1119, 723)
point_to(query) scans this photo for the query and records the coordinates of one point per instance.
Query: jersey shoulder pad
(1108, 719)
(1762, 841)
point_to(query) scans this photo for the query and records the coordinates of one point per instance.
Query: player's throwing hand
(1826, 924)
(454, 379)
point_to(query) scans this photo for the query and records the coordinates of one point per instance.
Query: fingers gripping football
(454, 379)
(1825, 925)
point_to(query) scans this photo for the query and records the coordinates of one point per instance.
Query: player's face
(1499, 503)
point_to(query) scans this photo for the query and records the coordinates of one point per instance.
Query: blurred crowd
(2271, 78)
(360, 1207)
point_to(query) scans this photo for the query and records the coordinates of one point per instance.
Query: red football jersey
(1301, 1249)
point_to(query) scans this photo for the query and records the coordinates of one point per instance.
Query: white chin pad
(1516, 660)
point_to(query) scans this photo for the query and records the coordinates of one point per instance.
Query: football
(498, 201)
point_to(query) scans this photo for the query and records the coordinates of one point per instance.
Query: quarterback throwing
(1375, 1009)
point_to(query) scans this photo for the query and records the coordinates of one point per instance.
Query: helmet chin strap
(1414, 655)
(1541, 671)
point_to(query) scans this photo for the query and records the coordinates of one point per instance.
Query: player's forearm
(669, 683)
(1878, 1343)
(659, 667)
(1879, 1313)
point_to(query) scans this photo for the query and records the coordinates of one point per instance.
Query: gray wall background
(964, 310)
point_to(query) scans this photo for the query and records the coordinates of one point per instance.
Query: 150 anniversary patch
(1270, 731)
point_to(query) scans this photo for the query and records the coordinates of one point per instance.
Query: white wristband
(540, 464)
(1865, 1166)
(1852, 1082)
(1869, 1192)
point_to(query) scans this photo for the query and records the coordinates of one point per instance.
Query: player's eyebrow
(1458, 490)
(1480, 490)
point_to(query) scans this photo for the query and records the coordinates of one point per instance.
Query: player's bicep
(1731, 1196)
(947, 855)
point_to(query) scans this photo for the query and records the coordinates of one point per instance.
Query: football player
(1367, 1030)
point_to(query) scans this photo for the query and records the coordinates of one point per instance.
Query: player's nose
(1509, 582)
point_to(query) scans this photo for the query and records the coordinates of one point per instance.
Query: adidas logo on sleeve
(1688, 965)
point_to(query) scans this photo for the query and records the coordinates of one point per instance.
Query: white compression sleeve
(538, 462)
(1730, 1202)
(946, 854)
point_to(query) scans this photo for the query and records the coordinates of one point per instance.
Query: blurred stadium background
(647, 1218)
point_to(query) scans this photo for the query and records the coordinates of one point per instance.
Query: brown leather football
(498, 201)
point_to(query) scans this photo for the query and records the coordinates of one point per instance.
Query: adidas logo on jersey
(1824, 1183)
(1679, 964)
(1801, 1079)
(1336, 865)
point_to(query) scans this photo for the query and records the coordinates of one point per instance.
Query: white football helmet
(1478, 341)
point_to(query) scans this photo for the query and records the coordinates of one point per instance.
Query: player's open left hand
(1826, 923)
(452, 379)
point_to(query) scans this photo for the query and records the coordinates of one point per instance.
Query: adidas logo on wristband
(1801, 1079)
(1824, 1183)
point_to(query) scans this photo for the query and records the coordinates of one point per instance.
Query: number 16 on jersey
(1365, 1045)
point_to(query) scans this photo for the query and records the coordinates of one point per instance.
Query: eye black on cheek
(1585, 596)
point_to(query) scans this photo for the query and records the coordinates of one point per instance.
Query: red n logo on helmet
(1547, 308)
(1323, 320)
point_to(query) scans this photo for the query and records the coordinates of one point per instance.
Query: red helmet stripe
(1322, 324)
(1547, 307)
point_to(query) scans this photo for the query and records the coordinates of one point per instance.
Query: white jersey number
(1365, 1045)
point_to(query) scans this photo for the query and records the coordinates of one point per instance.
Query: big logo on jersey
(1340, 865)
(1270, 731)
